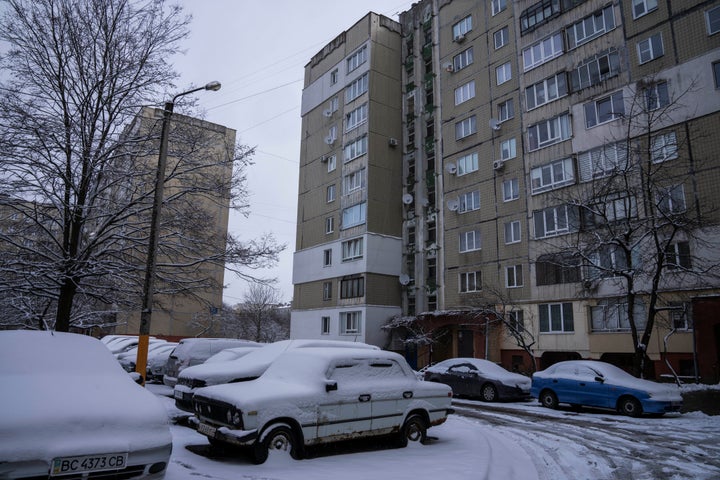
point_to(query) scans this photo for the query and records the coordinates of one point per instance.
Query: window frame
(327, 291)
(466, 127)
(464, 243)
(466, 286)
(567, 325)
(352, 319)
(540, 47)
(514, 273)
(646, 9)
(514, 227)
(560, 123)
(506, 110)
(352, 286)
(651, 48)
(349, 213)
(715, 11)
(462, 164)
(352, 249)
(595, 108)
(462, 27)
(356, 59)
(355, 148)
(325, 325)
(563, 219)
(548, 86)
(354, 181)
(551, 171)
(509, 146)
(357, 87)
(605, 24)
(464, 92)
(503, 73)
(469, 201)
(497, 6)
(599, 163)
(330, 193)
(356, 117)
(657, 96)
(463, 59)
(327, 257)
(666, 199)
(669, 149)
(329, 225)
(331, 162)
(681, 256)
(511, 187)
(504, 37)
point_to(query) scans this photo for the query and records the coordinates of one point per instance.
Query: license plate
(88, 463)
(207, 430)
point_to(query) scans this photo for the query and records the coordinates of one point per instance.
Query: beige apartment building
(559, 160)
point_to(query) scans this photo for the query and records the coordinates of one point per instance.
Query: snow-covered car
(194, 351)
(156, 362)
(310, 396)
(247, 367)
(128, 357)
(598, 384)
(70, 411)
(478, 378)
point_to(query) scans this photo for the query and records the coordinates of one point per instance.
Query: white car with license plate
(311, 396)
(69, 410)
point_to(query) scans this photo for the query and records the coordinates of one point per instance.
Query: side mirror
(330, 386)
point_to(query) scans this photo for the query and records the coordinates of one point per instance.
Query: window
(716, 73)
(356, 117)
(469, 201)
(516, 320)
(352, 287)
(551, 176)
(542, 51)
(470, 241)
(334, 77)
(671, 200)
(463, 59)
(357, 59)
(462, 27)
(465, 92)
(611, 315)
(356, 88)
(325, 325)
(680, 315)
(610, 210)
(595, 69)
(327, 290)
(538, 14)
(354, 215)
(650, 48)
(503, 73)
(554, 221)
(713, 20)
(330, 194)
(591, 27)
(657, 96)
(331, 162)
(677, 255)
(465, 128)
(506, 110)
(327, 257)
(556, 318)
(642, 7)
(602, 161)
(511, 189)
(353, 181)
(508, 149)
(467, 164)
(334, 104)
(608, 261)
(352, 249)
(512, 232)
(604, 109)
(553, 269)
(549, 132)
(498, 6)
(332, 134)
(350, 322)
(329, 225)
(513, 276)
(501, 37)
(663, 147)
(355, 148)
(470, 282)
(546, 91)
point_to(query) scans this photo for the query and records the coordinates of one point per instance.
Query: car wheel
(548, 399)
(279, 438)
(489, 393)
(630, 406)
(413, 430)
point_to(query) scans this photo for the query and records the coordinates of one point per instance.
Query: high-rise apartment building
(559, 176)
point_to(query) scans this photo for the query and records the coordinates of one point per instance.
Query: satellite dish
(451, 168)
(453, 205)
(494, 124)
(404, 279)
(407, 199)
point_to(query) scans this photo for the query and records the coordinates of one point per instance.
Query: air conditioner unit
(393, 142)
(450, 67)
(459, 39)
(450, 168)
(498, 165)
(328, 112)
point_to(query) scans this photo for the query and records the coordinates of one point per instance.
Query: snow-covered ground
(490, 441)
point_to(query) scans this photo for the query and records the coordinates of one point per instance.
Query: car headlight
(233, 417)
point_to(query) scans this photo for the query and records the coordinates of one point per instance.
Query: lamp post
(148, 286)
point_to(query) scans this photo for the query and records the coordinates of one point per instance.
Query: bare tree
(260, 317)
(77, 173)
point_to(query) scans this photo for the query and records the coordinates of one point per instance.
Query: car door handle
(582, 384)
(364, 398)
(407, 394)
(555, 381)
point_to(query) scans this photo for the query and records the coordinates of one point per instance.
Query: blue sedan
(599, 384)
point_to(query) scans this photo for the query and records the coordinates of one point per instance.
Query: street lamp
(148, 286)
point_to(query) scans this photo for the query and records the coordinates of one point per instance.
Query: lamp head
(214, 86)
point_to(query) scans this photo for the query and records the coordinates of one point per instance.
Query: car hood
(258, 393)
(224, 372)
(656, 390)
(43, 417)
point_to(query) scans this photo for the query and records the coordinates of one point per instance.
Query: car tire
(630, 406)
(413, 430)
(279, 438)
(548, 399)
(489, 393)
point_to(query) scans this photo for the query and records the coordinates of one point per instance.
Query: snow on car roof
(482, 365)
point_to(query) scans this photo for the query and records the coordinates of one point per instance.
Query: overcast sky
(258, 51)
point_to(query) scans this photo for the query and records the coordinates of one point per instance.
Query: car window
(462, 368)
(350, 372)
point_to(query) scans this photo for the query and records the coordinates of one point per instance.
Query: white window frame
(503, 73)
(466, 127)
(513, 232)
(543, 51)
(357, 87)
(546, 91)
(511, 190)
(508, 149)
(470, 241)
(356, 59)
(327, 257)
(468, 282)
(498, 6)
(514, 276)
(334, 104)
(334, 77)
(463, 59)
(671, 200)
(713, 22)
(657, 96)
(353, 181)
(329, 225)
(469, 201)
(506, 110)
(501, 37)
(356, 148)
(556, 130)
(664, 147)
(352, 249)
(354, 215)
(552, 175)
(465, 92)
(594, 109)
(602, 161)
(324, 325)
(462, 27)
(567, 325)
(650, 49)
(594, 70)
(467, 164)
(356, 117)
(330, 193)
(327, 290)
(561, 221)
(350, 323)
(590, 27)
(331, 162)
(647, 6)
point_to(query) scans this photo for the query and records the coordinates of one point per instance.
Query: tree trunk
(65, 303)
